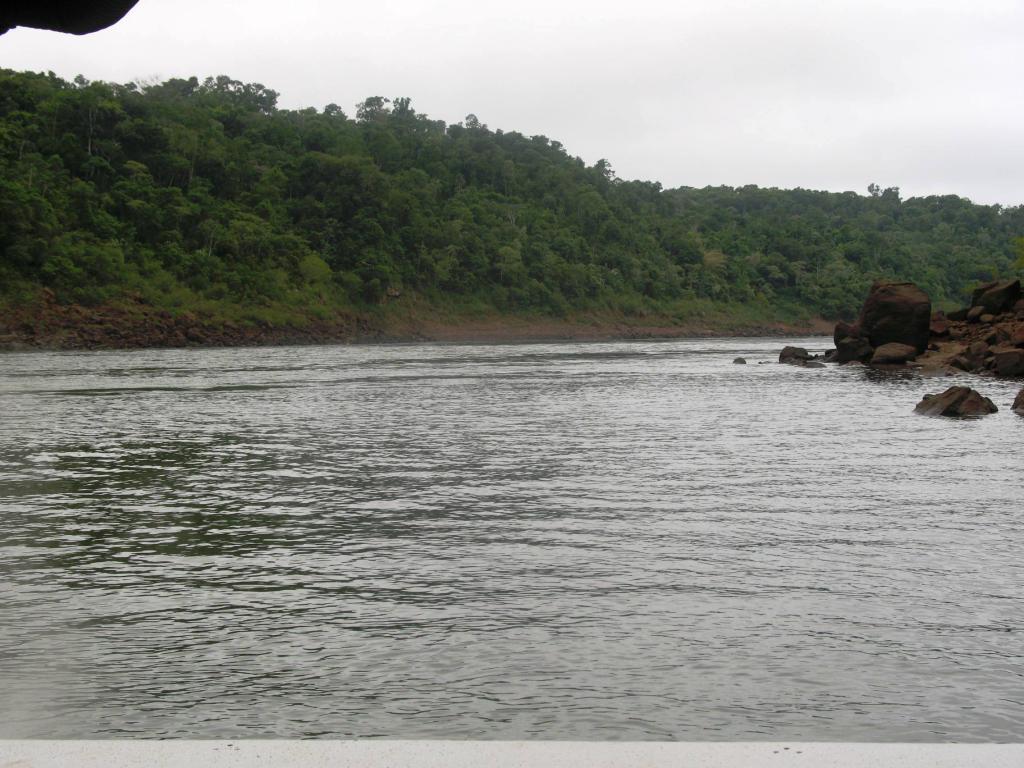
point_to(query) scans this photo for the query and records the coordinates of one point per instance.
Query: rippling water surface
(585, 541)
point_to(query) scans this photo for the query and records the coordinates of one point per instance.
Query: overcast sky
(926, 96)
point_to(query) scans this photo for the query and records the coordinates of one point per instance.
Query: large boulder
(893, 353)
(956, 401)
(996, 297)
(898, 312)
(1009, 362)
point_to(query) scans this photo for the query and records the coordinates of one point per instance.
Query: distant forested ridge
(197, 193)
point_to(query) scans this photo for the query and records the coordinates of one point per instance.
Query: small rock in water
(956, 401)
(740, 361)
(1018, 403)
(794, 355)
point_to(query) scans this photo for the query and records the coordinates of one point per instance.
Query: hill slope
(205, 197)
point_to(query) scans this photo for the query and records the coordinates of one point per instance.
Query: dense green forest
(204, 195)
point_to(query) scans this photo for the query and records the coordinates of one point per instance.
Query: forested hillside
(204, 195)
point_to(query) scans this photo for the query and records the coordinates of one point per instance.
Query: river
(630, 540)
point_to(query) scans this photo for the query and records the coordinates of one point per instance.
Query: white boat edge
(241, 753)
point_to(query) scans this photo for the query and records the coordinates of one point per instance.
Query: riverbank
(133, 324)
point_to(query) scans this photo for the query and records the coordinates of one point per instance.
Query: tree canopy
(189, 190)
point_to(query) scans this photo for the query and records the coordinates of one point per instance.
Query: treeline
(191, 192)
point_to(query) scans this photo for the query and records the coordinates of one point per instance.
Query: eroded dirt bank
(50, 325)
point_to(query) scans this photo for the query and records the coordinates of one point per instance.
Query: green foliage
(204, 193)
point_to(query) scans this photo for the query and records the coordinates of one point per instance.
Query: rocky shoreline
(897, 329)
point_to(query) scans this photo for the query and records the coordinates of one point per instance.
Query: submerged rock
(739, 361)
(957, 402)
(1018, 403)
(893, 353)
(794, 355)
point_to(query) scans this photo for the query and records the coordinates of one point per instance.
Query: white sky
(822, 94)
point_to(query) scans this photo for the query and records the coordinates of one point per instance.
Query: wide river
(549, 541)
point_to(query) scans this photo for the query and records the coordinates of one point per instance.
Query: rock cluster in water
(800, 356)
(896, 327)
(988, 336)
(893, 313)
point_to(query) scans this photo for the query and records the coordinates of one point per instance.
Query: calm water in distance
(557, 541)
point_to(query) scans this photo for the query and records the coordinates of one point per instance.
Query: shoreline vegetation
(199, 213)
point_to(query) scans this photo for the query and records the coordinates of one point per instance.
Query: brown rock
(939, 327)
(852, 349)
(957, 315)
(1017, 336)
(974, 314)
(896, 312)
(987, 318)
(996, 297)
(1010, 362)
(893, 353)
(977, 349)
(956, 401)
(844, 330)
(794, 355)
(962, 362)
(1018, 403)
